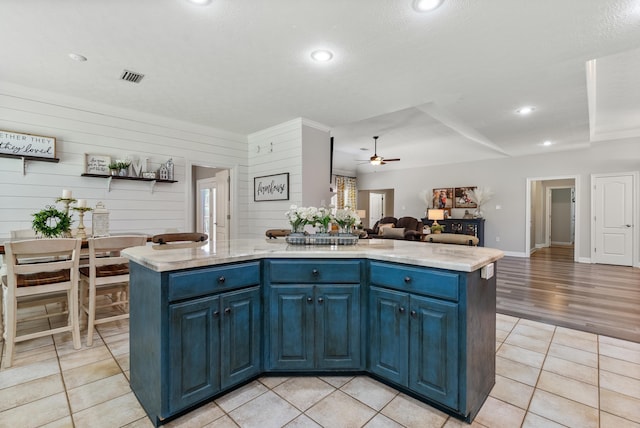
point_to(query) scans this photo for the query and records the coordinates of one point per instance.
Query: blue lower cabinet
(215, 344)
(194, 334)
(413, 341)
(314, 327)
(389, 334)
(433, 350)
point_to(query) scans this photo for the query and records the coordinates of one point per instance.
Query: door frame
(635, 215)
(548, 213)
(528, 216)
(190, 203)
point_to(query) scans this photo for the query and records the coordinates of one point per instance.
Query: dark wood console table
(471, 226)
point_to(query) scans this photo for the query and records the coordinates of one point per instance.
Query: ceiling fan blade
(391, 160)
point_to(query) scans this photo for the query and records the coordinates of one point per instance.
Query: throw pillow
(383, 226)
(394, 232)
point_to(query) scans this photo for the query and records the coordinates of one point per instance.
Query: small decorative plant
(437, 228)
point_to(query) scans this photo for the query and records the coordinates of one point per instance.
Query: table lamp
(435, 215)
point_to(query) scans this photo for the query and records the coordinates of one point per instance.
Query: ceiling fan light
(376, 161)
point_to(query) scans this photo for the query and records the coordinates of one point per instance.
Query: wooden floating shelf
(28, 158)
(151, 181)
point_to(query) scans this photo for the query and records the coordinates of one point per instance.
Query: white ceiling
(437, 88)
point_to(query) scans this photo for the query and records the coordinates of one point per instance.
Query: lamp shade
(361, 213)
(435, 214)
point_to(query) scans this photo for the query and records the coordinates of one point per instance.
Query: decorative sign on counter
(97, 164)
(17, 144)
(271, 188)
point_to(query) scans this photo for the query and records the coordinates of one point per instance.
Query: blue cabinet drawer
(295, 271)
(193, 283)
(417, 280)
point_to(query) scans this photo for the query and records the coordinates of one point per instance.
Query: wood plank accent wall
(286, 141)
(82, 127)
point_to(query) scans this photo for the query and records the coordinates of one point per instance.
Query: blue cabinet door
(194, 354)
(434, 350)
(337, 321)
(240, 336)
(291, 313)
(389, 334)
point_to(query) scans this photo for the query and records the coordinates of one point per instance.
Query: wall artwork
(443, 198)
(18, 144)
(271, 188)
(97, 164)
(462, 199)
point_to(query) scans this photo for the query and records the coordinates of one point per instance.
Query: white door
(223, 215)
(206, 217)
(376, 207)
(613, 219)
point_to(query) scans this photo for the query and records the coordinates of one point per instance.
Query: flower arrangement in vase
(347, 218)
(323, 219)
(480, 196)
(299, 217)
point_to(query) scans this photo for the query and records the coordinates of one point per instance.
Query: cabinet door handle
(227, 310)
(309, 300)
(401, 309)
(315, 272)
(320, 300)
(216, 314)
(414, 314)
(221, 280)
(407, 279)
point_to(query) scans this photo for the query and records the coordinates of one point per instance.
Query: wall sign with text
(271, 188)
(17, 144)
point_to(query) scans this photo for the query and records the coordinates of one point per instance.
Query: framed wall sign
(97, 164)
(271, 187)
(17, 144)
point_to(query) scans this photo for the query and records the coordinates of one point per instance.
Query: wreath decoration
(51, 223)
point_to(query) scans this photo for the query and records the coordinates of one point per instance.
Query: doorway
(546, 225)
(211, 204)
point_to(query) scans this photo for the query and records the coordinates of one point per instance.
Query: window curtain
(346, 192)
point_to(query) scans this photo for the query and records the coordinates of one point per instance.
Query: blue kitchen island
(417, 316)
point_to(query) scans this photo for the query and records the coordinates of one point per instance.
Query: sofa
(406, 228)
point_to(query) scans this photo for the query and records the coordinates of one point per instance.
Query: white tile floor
(547, 376)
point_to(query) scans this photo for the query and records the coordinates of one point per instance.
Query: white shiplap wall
(286, 141)
(83, 127)
(287, 148)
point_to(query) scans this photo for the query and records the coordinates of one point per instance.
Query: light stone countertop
(443, 256)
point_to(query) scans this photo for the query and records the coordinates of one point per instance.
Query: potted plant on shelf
(437, 228)
(113, 168)
(123, 168)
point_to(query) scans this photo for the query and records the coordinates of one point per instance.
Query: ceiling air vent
(131, 76)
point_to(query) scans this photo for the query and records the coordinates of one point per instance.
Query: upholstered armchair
(374, 232)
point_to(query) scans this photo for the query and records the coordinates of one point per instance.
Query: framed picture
(96, 164)
(462, 199)
(443, 198)
(271, 187)
(19, 144)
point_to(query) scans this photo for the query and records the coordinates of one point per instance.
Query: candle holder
(66, 202)
(82, 234)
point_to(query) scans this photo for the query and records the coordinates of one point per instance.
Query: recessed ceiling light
(321, 55)
(200, 2)
(547, 143)
(426, 5)
(525, 110)
(77, 57)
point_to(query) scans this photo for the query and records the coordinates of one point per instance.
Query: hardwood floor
(550, 287)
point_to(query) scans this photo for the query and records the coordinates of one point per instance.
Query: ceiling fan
(378, 160)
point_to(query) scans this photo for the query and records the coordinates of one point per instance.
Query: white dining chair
(107, 275)
(40, 272)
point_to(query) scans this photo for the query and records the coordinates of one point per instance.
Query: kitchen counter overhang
(440, 256)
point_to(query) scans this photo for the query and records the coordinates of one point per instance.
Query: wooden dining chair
(39, 272)
(167, 241)
(107, 276)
